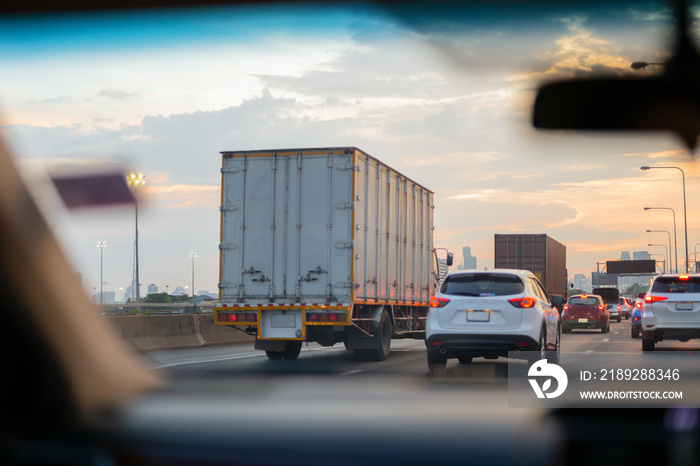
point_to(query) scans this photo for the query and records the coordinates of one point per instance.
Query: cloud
(666, 154)
(117, 94)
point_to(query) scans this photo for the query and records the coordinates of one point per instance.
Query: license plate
(478, 316)
(583, 321)
(282, 321)
(684, 306)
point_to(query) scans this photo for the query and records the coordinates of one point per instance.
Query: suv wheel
(647, 343)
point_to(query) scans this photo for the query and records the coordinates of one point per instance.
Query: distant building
(442, 268)
(625, 256)
(178, 291)
(641, 255)
(152, 289)
(581, 282)
(108, 297)
(468, 261)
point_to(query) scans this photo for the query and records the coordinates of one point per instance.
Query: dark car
(636, 327)
(585, 312)
(611, 298)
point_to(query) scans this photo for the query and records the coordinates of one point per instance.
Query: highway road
(616, 349)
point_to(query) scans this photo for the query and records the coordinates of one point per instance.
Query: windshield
(298, 168)
(589, 301)
(482, 285)
(676, 285)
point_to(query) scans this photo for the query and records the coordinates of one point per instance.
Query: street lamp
(675, 237)
(135, 180)
(666, 249)
(685, 213)
(101, 245)
(669, 238)
(193, 255)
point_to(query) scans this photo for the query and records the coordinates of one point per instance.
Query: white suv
(489, 313)
(671, 310)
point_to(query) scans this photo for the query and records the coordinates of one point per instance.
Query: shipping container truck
(538, 253)
(327, 245)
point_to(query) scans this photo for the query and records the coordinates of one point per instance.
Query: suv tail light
(653, 299)
(601, 307)
(638, 305)
(438, 302)
(618, 307)
(524, 303)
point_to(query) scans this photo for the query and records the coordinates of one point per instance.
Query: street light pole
(193, 255)
(669, 238)
(675, 237)
(666, 249)
(101, 245)
(685, 214)
(135, 180)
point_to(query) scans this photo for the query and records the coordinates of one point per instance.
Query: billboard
(634, 266)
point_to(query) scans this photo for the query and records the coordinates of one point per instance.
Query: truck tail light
(325, 317)
(524, 303)
(249, 317)
(438, 302)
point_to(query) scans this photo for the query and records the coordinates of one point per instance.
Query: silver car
(671, 310)
(489, 313)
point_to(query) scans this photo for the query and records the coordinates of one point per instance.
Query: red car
(585, 311)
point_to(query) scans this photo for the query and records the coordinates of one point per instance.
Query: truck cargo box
(323, 225)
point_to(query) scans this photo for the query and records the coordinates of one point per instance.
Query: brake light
(525, 303)
(653, 299)
(583, 296)
(601, 307)
(638, 305)
(618, 307)
(566, 307)
(438, 302)
(683, 277)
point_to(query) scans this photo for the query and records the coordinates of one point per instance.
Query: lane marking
(204, 361)
(232, 358)
(354, 371)
(606, 339)
(590, 351)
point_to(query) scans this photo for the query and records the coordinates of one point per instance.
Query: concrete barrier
(145, 333)
(215, 335)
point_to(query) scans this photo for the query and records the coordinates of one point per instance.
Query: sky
(162, 93)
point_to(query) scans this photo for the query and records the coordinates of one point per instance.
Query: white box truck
(327, 245)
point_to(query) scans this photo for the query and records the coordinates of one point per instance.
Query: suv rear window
(589, 301)
(482, 284)
(675, 285)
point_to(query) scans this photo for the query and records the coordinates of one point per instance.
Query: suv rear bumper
(455, 345)
(664, 333)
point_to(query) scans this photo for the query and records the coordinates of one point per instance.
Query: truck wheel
(274, 354)
(382, 338)
(292, 350)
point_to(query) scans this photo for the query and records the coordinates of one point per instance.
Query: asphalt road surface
(616, 349)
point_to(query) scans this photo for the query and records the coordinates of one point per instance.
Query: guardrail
(119, 309)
